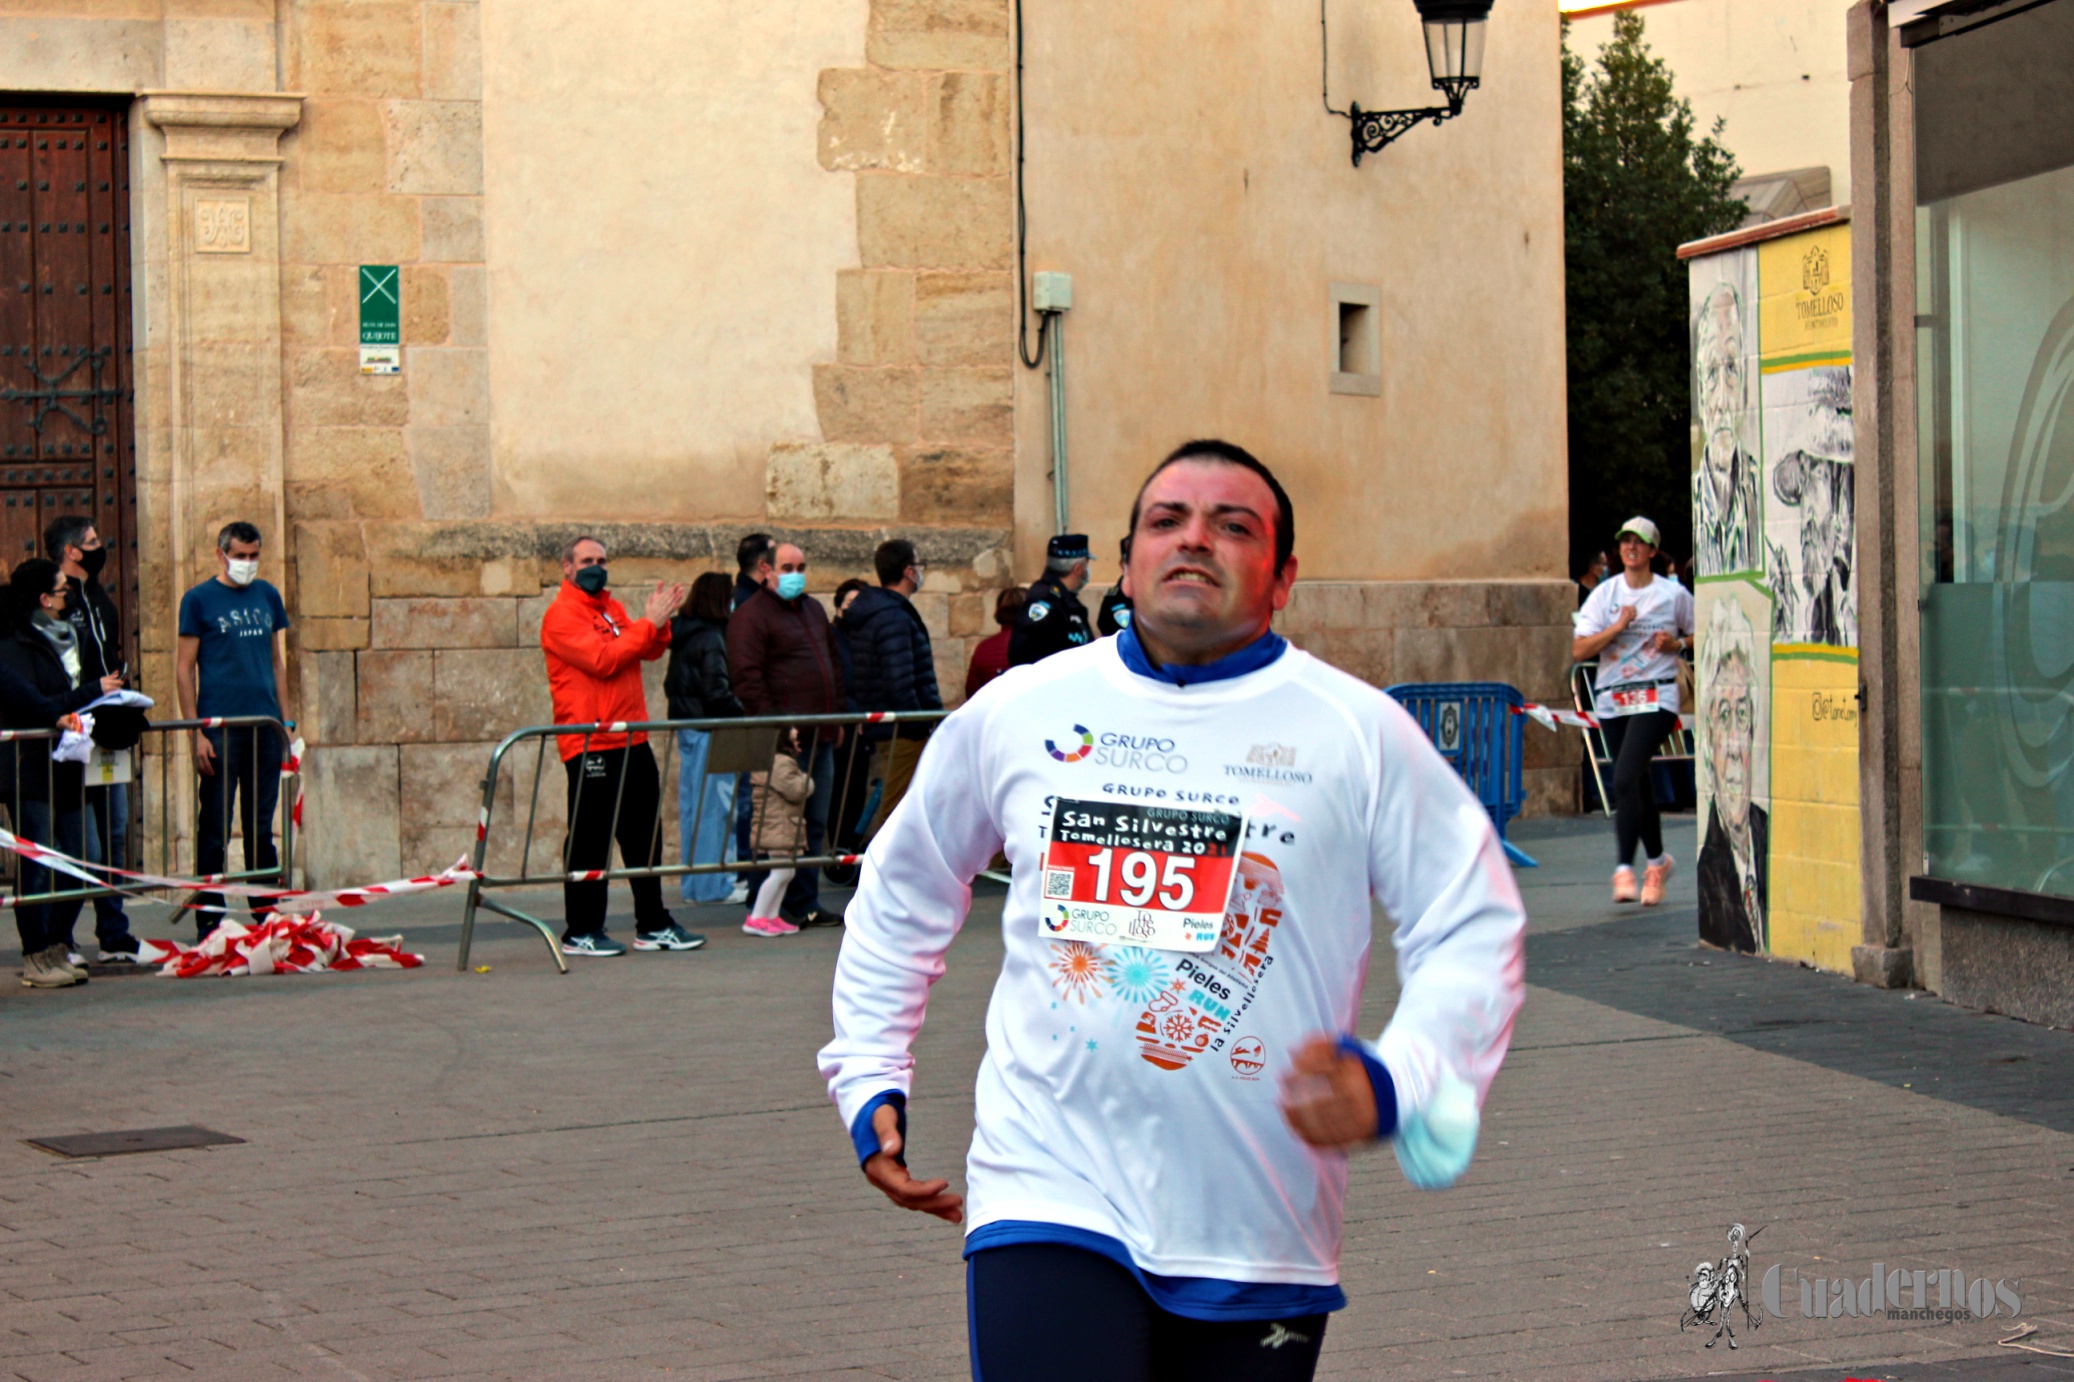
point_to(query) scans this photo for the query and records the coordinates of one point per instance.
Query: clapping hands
(664, 602)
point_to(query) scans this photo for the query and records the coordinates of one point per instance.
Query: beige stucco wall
(1773, 69)
(663, 246)
(676, 269)
(1204, 202)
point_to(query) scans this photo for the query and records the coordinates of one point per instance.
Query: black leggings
(1633, 740)
(1041, 1312)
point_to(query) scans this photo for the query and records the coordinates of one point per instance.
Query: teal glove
(1436, 1144)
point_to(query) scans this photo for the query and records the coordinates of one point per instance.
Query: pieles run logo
(1075, 754)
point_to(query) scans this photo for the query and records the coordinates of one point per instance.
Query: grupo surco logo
(1077, 752)
(1719, 1291)
(1132, 752)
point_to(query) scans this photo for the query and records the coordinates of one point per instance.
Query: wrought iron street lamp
(1454, 58)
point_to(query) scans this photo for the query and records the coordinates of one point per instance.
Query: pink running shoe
(1624, 889)
(769, 926)
(1653, 880)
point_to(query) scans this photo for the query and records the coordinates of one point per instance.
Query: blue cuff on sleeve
(1379, 1078)
(866, 1139)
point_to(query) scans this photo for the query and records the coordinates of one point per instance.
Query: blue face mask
(590, 580)
(791, 584)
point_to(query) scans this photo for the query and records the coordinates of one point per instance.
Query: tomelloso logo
(1087, 746)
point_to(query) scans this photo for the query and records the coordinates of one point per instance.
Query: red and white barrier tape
(291, 900)
(1549, 717)
(281, 945)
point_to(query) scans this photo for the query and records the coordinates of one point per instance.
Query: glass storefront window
(1995, 381)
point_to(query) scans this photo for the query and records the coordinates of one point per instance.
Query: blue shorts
(1040, 1312)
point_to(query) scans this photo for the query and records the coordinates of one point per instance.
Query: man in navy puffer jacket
(894, 664)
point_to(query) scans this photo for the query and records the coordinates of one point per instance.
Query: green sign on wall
(381, 314)
(381, 305)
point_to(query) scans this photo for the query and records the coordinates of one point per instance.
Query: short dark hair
(569, 547)
(1007, 603)
(1211, 449)
(892, 559)
(29, 582)
(753, 552)
(712, 597)
(68, 530)
(237, 530)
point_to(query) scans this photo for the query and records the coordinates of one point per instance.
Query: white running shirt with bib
(1635, 677)
(1129, 1082)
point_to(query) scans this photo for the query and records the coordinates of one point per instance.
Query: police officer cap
(1068, 547)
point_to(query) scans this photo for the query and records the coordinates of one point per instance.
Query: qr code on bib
(1058, 883)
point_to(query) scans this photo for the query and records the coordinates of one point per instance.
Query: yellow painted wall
(1814, 805)
(1804, 299)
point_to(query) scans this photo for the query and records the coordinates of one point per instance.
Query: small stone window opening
(1356, 366)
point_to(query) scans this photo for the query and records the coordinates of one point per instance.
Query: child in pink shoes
(778, 829)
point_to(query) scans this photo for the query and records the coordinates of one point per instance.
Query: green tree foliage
(1636, 185)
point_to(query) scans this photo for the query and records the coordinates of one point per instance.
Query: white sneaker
(740, 896)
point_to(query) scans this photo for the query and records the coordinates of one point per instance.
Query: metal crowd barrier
(150, 843)
(1473, 725)
(736, 746)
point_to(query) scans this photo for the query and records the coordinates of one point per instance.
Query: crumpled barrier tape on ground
(291, 900)
(1550, 718)
(284, 945)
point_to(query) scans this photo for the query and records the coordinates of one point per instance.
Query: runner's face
(1202, 568)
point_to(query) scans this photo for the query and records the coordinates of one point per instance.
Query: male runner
(1197, 816)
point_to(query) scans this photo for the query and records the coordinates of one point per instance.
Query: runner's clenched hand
(1327, 1098)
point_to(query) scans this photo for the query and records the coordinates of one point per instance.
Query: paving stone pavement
(633, 1171)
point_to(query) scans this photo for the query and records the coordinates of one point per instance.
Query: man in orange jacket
(594, 656)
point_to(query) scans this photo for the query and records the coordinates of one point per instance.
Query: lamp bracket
(1376, 129)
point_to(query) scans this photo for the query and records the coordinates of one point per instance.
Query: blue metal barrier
(1473, 725)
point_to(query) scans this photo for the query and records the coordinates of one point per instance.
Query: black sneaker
(598, 944)
(671, 937)
(122, 952)
(819, 916)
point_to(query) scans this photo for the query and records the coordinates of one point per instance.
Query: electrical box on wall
(1051, 292)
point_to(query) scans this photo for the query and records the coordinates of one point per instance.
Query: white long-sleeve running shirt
(1204, 909)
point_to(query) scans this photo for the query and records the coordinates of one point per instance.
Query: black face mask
(91, 560)
(591, 579)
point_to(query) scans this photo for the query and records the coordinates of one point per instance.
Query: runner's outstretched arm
(911, 900)
(1437, 868)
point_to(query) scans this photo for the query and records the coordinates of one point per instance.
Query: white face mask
(243, 571)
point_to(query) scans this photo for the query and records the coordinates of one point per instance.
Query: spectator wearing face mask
(75, 545)
(232, 660)
(781, 650)
(594, 653)
(42, 682)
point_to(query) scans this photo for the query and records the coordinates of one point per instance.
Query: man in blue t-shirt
(231, 638)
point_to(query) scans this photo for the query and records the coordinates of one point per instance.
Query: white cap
(1641, 528)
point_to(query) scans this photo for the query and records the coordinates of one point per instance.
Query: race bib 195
(1157, 876)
